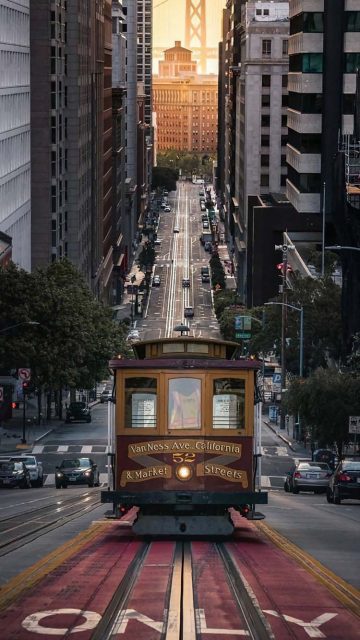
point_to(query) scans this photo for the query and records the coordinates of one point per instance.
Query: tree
(165, 178)
(147, 255)
(321, 301)
(75, 336)
(325, 400)
(217, 272)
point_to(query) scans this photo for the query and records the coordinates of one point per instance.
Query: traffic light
(15, 405)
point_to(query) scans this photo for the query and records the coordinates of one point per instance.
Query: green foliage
(75, 337)
(353, 360)
(164, 177)
(321, 301)
(147, 255)
(217, 272)
(325, 400)
(189, 163)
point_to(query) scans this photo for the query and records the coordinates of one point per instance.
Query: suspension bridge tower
(195, 29)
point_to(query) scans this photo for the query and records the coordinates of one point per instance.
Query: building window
(264, 180)
(352, 20)
(307, 62)
(265, 121)
(265, 140)
(307, 22)
(265, 160)
(283, 180)
(284, 100)
(284, 121)
(352, 62)
(265, 100)
(266, 48)
(266, 81)
(285, 48)
(284, 81)
(283, 159)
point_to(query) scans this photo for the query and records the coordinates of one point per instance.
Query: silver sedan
(308, 476)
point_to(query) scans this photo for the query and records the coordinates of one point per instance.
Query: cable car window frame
(192, 374)
(121, 407)
(247, 377)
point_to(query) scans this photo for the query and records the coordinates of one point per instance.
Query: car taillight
(244, 510)
(343, 477)
(297, 474)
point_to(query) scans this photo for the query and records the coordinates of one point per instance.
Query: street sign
(243, 323)
(24, 374)
(276, 378)
(354, 424)
(1, 394)
(243, 335)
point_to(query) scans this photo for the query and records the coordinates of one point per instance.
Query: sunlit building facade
(186, 104)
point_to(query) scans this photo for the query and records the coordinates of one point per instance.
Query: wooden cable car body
(185, 437)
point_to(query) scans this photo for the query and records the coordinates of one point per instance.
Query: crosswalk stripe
(86, 448)
(38, 448)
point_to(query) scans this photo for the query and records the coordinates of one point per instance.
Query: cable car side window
(229, 403)
(184, 403)
(141, 403)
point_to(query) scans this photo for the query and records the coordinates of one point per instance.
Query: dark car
(205, 271)
(77, 471)
(308, 476)
(324, 455)
(14, 474)
(188, 312)
(78, 411)
(345, 483)
(205, 278)
(186, 282)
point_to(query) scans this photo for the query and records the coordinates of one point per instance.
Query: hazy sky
(169, 24)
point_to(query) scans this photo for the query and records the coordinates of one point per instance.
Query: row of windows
(14, 110)
(14, 68)
(313, 62)
(14, 193)
(313, 22)
(265, 180)
(305, 182)
(14, 26)
(14, 152)
(184, 403)
(305, 142)
(266, 48)
(266, 80)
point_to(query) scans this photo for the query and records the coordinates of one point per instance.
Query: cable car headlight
(184, 472)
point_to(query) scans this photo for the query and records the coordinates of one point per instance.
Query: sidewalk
(294, 445)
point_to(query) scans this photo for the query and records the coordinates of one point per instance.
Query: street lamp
(12, 326)
(301, 347)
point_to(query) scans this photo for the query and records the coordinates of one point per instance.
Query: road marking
(312, 627)
(63, 448)
(39, 448)
(86, 448)
(203, 628)
(31, 623)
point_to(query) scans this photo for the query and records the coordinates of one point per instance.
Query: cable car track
(184, 617)
(20, 529)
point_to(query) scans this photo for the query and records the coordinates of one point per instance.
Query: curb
(288, 442)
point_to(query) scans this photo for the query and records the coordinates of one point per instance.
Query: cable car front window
(184, 407)
(229, 403)
(141, 403)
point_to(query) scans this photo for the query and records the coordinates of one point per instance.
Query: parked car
(14, 474)
(204, 217)
(167, 209)
(308, 476)
(188, 312)
(77, 471)
(205, 271)
(207, 246)
(186, 283)
(157, 242)
(156, 281)
(105, 395)
(34, 467)
(202, 206)
(78, 411)
(205, 224)
(325, 455)
(165, 193)
(133, 335)
(345, 482)
(205, 279)
(176, 229)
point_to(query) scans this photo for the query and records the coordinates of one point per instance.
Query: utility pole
(283, 290)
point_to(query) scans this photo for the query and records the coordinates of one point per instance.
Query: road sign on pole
(354, 424)
(24, 374)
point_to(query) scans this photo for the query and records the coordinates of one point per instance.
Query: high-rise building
(15, 210)
(144, 52)
(186, 104)
(255, 91)
(71, 159)
(324, 54)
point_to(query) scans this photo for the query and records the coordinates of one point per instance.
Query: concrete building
(324, 54)
(144, 52)
(186, 104)
(15, 210)
(71, 159)
(255, 103)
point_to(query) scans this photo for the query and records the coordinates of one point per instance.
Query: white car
(133, 335)
(34, 466)
(176, 230)
(167, 209)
